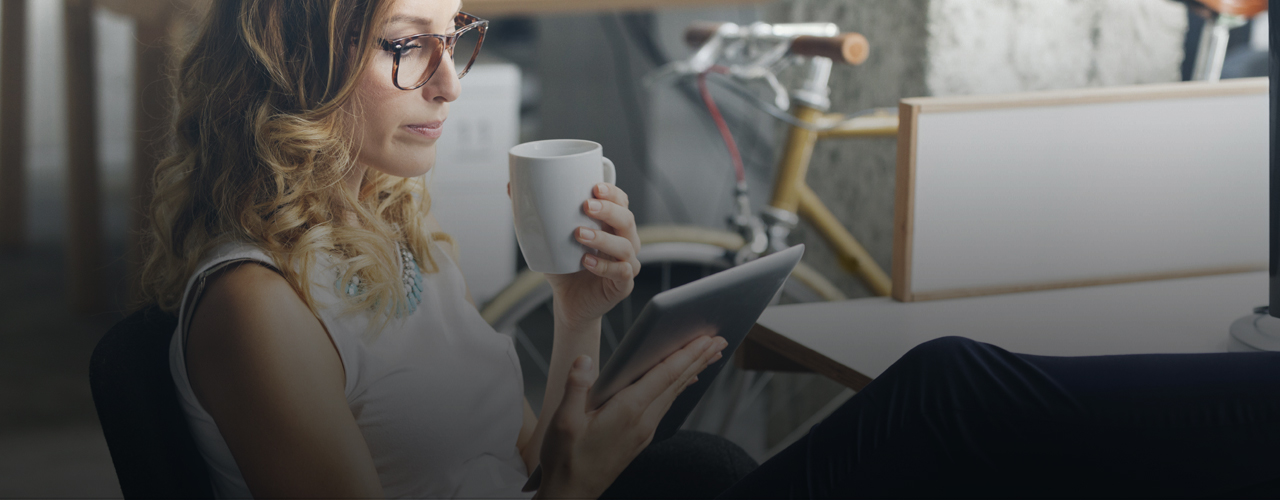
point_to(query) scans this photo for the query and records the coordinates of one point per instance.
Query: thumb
(578, 383)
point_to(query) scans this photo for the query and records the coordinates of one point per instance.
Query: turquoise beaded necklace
(410, 277)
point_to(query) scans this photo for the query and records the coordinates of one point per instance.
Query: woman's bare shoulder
(249, 296)
(251, 318)
(264, 368)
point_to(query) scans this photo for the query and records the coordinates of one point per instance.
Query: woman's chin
(419, 163)
(417, 172)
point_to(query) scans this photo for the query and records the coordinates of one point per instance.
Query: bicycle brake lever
(781, 99)
(676, 68)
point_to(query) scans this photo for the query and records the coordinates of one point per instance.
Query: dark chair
(156, 457)
(151, 445)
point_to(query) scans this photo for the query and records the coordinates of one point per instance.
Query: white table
(855, 341)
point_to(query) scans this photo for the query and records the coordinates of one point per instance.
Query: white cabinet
(468, 184)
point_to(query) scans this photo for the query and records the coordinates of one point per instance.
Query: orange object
(1243, 8)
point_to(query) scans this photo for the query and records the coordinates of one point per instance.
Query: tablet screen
(725, 304)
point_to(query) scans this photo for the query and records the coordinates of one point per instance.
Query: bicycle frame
(793, 199)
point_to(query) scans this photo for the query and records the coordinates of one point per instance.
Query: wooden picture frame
(1184, 128)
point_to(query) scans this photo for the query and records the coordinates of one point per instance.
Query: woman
(327, 348)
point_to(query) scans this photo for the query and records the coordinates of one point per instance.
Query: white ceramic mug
(550, 180)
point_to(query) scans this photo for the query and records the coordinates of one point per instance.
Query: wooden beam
(495, 8)
(13, 119)
(146, 10)
(86, 289)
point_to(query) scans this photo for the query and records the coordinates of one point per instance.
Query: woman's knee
(940, 351)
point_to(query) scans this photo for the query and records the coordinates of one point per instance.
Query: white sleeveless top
(438, 394)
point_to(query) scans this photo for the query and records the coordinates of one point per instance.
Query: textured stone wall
(998, 46)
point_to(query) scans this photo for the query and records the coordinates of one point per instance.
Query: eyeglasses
(418, 56)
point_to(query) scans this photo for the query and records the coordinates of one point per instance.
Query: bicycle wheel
(669, 256)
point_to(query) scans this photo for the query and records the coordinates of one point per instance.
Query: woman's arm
(585, 450)
(263, 366)
(570, 341)
(580, 299)
(528, 453)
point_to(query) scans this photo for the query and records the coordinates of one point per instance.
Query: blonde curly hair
(262, 143)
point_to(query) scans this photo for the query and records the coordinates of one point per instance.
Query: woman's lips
(429, 130)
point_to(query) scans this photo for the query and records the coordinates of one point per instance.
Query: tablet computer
(727, 304)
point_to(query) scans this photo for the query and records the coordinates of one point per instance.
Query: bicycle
(1220, 17)
(673, 254)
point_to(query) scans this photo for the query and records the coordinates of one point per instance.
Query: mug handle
(610, 173)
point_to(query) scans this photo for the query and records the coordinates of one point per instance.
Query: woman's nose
(444, 84)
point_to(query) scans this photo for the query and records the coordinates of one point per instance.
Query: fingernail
(586, 234)
(582, 363)
(603, 188)
(722, 343)
(593, 206)
(589, 261)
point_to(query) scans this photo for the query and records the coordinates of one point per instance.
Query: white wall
(468, 183)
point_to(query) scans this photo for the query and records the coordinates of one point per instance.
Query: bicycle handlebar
(1244, 8)
(849, 48)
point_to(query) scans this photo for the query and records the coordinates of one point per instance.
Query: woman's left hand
(609, 275)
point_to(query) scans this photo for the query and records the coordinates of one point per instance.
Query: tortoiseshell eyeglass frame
(462, 23)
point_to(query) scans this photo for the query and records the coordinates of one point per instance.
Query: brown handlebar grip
(851, 48)
(698, 33)
(1244, 8)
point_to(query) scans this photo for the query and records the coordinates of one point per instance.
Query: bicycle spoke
(793, 393)
(741, 380)
(532, 350)
(753, 393)
(705, 408)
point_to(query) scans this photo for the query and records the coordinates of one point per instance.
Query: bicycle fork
(793, 198)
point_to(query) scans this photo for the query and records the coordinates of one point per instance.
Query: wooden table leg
(86, 289)
(799, 355)
(153, 113)
(13, 118)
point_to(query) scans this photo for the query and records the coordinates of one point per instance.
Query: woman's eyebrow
(405, 18)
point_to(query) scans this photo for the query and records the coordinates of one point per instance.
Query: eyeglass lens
(468, 46)
(421, 57)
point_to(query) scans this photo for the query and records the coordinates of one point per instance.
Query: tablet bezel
(727, 303)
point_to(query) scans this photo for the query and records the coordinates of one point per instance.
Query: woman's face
(396, 130)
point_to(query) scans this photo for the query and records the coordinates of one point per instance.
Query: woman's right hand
(585, 450)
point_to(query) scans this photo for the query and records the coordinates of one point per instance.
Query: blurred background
(82, 110)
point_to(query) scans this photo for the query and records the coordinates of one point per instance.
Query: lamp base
(1259, 331)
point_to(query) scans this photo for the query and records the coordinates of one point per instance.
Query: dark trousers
(957, 418)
